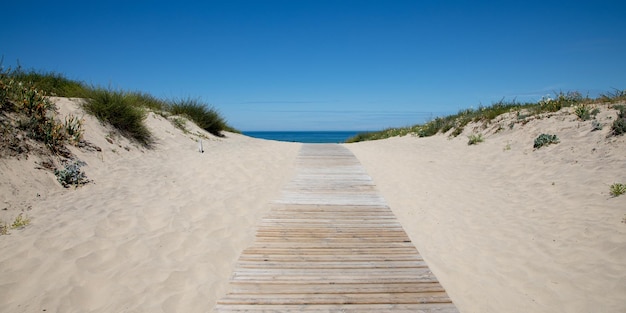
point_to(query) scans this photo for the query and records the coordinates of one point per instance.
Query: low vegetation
(20, 221)
(122, 111)
(545, 140)
(26, 112)
(454, 125)
(619, 125)
(29, 121)
(474, 139)
(595, 125)
(71, 175)
(26, 92)
(205, 117)
(585, 112)
(617, 189)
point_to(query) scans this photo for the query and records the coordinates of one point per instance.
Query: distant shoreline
(304, 136)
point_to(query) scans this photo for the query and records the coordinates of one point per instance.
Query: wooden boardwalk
(331, 244)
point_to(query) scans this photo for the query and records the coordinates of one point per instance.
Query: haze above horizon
(325, 65)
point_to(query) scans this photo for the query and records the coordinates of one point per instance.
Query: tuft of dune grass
(201, 114)
(121, 110)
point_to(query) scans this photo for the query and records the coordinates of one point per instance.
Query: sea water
(304, 136)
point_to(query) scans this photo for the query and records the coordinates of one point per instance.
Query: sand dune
(504, 227)
(509, 229)
(157, 231)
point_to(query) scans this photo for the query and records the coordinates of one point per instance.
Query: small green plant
(617, 189)
(595, 125)
(4, 229)
(20, 221)
(179, 123)
(73, 129)
(584, 111)
(545, 140)
(619, 125)
(475, 139)
(71, 175)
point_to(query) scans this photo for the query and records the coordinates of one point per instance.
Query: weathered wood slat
(331, 265)
(332, 298)
(337, 251)
(331, 244)
(411, 256)
(311, 288)
(355, 308)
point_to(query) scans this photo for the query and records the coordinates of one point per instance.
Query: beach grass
(121, 110)
(26, 111)
(54, 84)
(202, 115)
(27, 91)
(475, 139)
(619, 125)
(454, 124)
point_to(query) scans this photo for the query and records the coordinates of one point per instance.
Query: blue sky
(325, 65)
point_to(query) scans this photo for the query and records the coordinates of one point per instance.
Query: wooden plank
(344, 298)
(355, 308)
(331, 265)
(321, 233)
(411, 256)
(335, 251)
(331, 244)
(312, 288)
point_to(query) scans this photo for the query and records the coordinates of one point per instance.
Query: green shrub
(619, 125)
(617, 189)
(544, 140)
(562, 100)
(595, 125)
(71, 175)
(475, 139)
(584, 112)
(205, 117)
(118, 109)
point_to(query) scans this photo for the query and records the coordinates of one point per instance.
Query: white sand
(505, 230)
(157, 231)
(513, 230)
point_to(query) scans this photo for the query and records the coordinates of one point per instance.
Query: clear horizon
(326, 65)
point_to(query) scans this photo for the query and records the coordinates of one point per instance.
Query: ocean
(304, 136)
